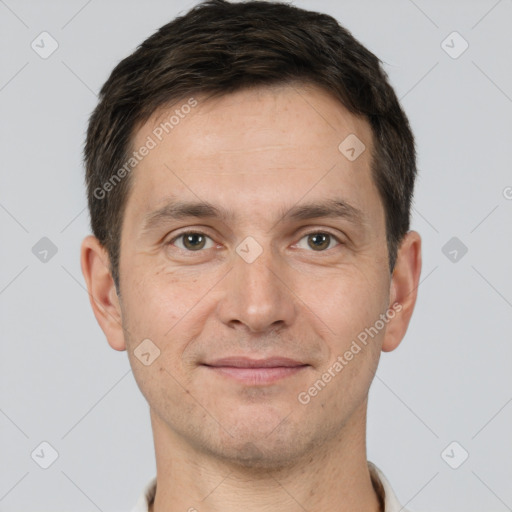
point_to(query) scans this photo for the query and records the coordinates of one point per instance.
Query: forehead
(260, 119)
(260, 147)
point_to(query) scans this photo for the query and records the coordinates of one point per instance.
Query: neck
(332, 478)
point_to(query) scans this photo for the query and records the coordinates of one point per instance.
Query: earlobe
(102, 293)
(403, 289)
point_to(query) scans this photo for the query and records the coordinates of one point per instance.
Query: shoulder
(146, 497)
(383, 488)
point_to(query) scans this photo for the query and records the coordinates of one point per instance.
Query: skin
(221, 444)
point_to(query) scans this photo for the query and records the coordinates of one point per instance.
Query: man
(250, 175)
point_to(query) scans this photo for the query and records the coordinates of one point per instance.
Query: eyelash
(314, 232)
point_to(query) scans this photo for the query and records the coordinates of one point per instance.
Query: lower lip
(256, 376)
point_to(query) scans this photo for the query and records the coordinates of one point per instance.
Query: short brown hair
(218, 48)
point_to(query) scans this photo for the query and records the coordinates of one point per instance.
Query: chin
(271, 446)
(262, 456)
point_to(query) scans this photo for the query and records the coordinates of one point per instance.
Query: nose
(257, 295)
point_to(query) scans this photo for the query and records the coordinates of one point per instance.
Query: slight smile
(256, 372)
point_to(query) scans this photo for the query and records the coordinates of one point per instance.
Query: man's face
(260, 282)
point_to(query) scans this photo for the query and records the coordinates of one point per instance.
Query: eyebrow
(176, 210)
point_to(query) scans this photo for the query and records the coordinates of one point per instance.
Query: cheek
(349, 305)
(156, 320)
(166, 309)
(149, 311)
(155, 301)
(346, 301)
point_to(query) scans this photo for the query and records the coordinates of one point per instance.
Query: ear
(403, 289)
(102, 291)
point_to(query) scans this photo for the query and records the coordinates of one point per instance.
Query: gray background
(450, 379)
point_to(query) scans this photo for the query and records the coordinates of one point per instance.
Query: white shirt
(391, 503)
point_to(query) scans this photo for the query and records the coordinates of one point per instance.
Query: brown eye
(192, 241)
(319, 241)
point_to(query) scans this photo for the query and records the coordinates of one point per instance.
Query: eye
(319, 241)
(192, 241)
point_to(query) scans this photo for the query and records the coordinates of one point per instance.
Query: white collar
(391, 503)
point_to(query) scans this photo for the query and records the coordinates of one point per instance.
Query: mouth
(255, 371)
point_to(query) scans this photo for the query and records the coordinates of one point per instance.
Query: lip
(247, 362)
(256, 371)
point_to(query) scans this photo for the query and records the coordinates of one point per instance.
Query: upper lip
(247, 362)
